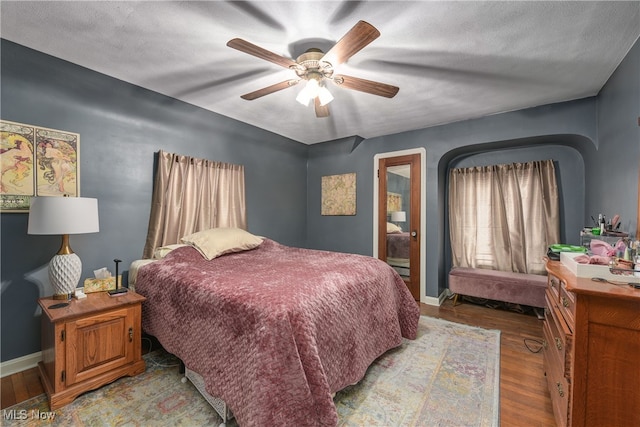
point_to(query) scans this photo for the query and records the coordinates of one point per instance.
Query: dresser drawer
(558, 339)
(553, 285)
(559, 386)
(567, 305)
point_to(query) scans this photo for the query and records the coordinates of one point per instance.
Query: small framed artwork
(339, 194)
(394, 202)
(36, 161)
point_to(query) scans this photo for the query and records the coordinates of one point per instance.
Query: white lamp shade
(308, 92)
(63, 215)
(398, 216)
(324, 95)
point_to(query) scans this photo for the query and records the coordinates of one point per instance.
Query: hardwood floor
(19, 387)
(524, 398)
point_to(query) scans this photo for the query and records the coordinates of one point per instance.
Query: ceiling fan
(316, 68)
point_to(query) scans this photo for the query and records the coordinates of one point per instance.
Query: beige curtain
(190, 195)
(503, 217)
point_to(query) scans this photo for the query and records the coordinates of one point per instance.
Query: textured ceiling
(452, 60)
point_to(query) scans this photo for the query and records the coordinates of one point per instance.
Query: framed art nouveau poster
(36, 161)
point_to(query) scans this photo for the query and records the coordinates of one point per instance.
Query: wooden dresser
(591, 350)
(90, 343)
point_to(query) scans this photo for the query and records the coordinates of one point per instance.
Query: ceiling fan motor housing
(310, 66)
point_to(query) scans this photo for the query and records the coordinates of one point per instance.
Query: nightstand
(91, 342)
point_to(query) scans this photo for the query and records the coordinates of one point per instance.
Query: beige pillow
(219, 241)
(163, 251)
(392, 228)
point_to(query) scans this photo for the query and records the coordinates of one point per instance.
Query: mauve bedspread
(398, 245)
(276, 330)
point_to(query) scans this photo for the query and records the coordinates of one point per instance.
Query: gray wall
(594, 141)
(121, 126)
(612, 178)
(559, 130)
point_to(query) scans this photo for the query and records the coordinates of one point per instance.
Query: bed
(273, 330)
(398, 252)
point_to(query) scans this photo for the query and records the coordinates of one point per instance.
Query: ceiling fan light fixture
(316, 68)
(325, 96)
(308, 92)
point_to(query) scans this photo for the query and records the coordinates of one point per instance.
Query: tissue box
(99, 285)
(593, 270)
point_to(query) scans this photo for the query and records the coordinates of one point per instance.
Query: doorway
(399, 216)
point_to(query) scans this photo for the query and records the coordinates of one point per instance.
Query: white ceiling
(452, 60)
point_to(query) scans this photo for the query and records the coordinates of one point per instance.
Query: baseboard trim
(431, 301)
(20, 364)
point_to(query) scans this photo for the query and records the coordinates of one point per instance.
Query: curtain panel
(503, 217)
(191, 195)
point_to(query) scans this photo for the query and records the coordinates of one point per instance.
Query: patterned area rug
(448, 376)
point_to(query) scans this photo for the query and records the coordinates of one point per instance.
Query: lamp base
(64, 275)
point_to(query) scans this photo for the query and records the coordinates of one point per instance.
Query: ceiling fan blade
(257, 51)
(269, 89)
(368, 86)
(321, 110)
(351, 43)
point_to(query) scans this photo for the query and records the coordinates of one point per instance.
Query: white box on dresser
(593, 270)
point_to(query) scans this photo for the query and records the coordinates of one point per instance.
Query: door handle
(414, 234)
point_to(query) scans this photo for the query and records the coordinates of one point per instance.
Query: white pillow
(163, 251)
(219, 241)
(392, 228)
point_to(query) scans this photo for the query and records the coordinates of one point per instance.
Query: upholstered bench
(516, 288)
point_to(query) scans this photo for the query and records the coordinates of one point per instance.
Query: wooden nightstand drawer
(98, 344)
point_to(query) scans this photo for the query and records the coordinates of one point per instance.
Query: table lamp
(64, 215)
(398, 216)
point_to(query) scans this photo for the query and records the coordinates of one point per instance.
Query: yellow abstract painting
(339, 194)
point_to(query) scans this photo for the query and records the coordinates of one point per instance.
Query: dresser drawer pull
(558, 343)
(553, 283)
(565, 301)
(560, 391)
(130, 334)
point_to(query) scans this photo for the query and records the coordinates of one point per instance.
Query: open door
(399, 217)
